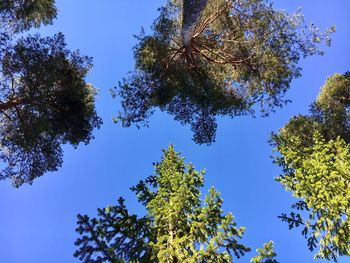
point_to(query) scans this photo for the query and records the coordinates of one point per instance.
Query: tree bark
(191, 13)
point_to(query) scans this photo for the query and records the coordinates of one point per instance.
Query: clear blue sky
(37, 223)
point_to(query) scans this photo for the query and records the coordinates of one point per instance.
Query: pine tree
(313, 152)
(44, 99)
(44, 102)
(209, 58)
(178, 225)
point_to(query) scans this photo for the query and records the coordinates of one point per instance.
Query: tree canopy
(315, 159)
(215, 58)
(178, 225)
(44, 102)
(20, 15)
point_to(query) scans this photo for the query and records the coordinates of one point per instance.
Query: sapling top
(179, 225)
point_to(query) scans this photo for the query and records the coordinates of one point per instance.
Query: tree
(215, 58)
(44, 102)
(20, 15)
(178, 225)
(329, 114)
(313, 152)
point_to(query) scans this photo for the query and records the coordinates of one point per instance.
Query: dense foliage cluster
(20, 15)
(178, 225)
(200, 63)
(44, 99)
(44, 102)
(315, 157)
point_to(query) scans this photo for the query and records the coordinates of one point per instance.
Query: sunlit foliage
(313, 152)
(178, 226)
(267, 254)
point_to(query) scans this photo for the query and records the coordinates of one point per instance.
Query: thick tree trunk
(191, 13)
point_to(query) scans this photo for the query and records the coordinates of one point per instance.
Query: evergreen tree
(178, 225)
(315, 159)
(208, 58)
(20, 15)
(44, 102)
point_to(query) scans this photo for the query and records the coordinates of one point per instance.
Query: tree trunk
(191, 13)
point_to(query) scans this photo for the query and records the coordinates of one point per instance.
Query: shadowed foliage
(178, 226)
(313, 152)
(44, 102)
(20, 15)
(215, 58)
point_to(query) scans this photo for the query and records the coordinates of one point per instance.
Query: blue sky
(37, 222)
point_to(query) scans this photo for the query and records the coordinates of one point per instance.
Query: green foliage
(315, 159)
(320, 178)
(267, 254)
(241, 53)
(332, 107)
(20, 15)
(329, 114)
(178, 226)
(44, 102)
